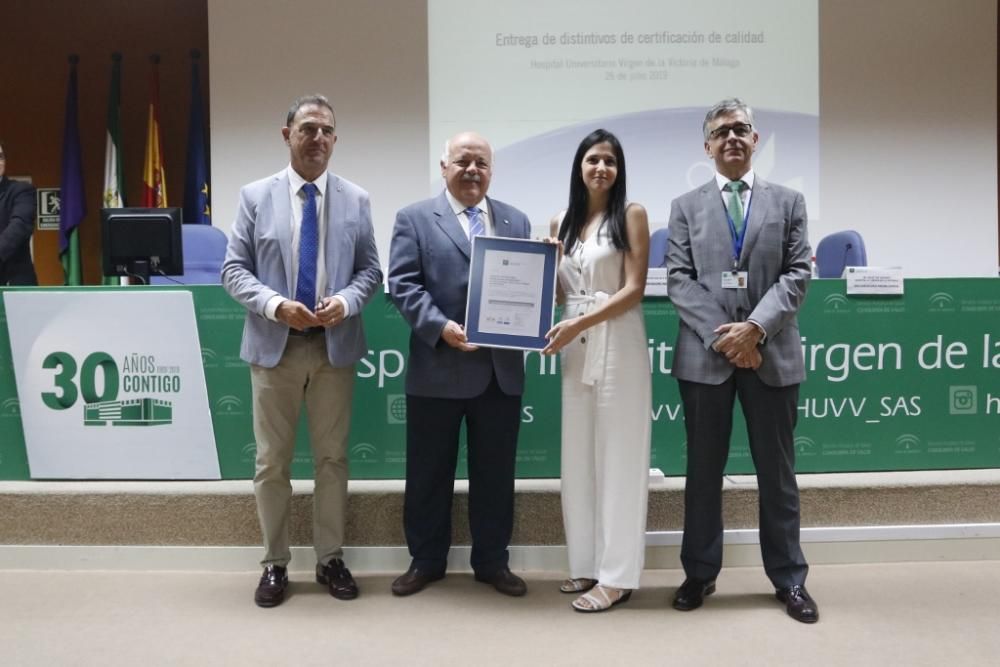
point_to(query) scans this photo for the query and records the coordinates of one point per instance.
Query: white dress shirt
(745, 193)
(463, 219)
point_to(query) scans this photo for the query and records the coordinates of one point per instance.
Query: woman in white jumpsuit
(606, 390)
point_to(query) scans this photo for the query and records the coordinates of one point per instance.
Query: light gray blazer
(258, 265)
(777, 256)
(428, 281)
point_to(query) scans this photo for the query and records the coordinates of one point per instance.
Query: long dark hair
(576, 213)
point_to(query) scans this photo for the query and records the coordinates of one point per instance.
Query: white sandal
(577, 585)
(600, 599)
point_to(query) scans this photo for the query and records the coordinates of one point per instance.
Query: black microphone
(843, 260)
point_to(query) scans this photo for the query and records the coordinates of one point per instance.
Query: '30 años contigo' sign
(88, 361)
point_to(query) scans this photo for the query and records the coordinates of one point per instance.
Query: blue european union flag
(197, 204)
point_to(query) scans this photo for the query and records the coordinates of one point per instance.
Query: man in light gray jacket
(302, 260)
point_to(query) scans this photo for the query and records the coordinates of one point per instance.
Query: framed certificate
(512, 292)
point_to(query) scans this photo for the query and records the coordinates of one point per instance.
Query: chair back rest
(204, 252)
(838, 250)
(658, 247)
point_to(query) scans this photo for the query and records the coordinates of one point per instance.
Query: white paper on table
(656, 281)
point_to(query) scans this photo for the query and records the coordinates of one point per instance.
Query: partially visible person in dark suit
(17, 221)
(738, 269)
(449, 381)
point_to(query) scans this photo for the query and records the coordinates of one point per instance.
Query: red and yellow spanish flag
(154, 176)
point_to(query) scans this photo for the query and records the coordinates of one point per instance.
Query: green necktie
(735, 206)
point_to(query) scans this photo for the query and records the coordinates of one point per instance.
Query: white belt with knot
(595, 357)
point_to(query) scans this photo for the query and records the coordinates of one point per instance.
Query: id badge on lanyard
(737, 279)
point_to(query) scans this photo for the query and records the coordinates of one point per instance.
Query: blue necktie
(305, 285)
(475, 222)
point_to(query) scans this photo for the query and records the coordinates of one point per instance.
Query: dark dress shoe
(413, 581)
(799, 604)
(337, 577)
(271, 589)
(506, 582)
(692, 593)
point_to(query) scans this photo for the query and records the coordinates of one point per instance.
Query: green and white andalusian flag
(114, 175)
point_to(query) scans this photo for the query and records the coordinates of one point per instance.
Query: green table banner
(894, 383)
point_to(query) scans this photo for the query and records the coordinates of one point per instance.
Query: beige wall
(370, 58)
(908, 130)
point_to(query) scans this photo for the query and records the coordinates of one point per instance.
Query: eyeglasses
(310, 130)
(739, 129)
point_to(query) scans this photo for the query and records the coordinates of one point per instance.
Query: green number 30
(67, 393)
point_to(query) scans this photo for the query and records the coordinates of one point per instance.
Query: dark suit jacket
(17, 222)
(428, 281)
(776, 256)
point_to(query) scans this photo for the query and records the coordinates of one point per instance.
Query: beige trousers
(303, 374)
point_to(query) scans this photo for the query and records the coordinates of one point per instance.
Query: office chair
(658, 247)
(838, 250)
(204, 250)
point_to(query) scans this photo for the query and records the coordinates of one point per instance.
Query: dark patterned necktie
(305, 285)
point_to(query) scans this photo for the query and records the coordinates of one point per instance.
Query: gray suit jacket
(428, 281)
(258, 265)
(777, 256)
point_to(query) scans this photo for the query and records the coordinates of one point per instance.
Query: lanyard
(738, 238)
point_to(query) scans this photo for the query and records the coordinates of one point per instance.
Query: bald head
(467, 166)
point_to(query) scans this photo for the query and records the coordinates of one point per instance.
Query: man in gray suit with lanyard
(448, 380)
(302, 260)
(738, 268)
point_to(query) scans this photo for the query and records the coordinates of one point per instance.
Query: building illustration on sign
(132, 412)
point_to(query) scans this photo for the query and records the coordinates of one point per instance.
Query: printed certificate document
(511, 292)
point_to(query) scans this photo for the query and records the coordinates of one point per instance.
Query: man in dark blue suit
(17, 222)
(448, 380)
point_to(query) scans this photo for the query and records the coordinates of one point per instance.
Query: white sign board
(874, 280)
(111, 385)
(656, 281)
